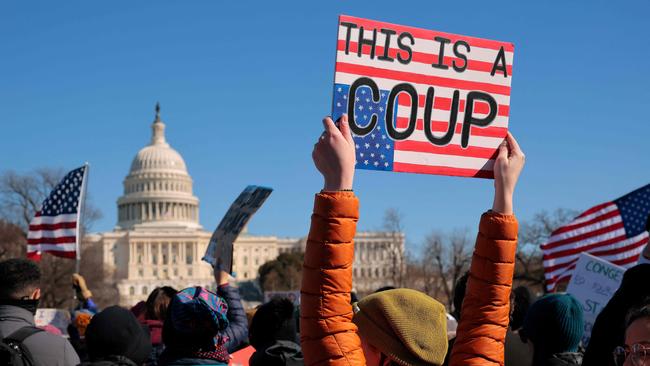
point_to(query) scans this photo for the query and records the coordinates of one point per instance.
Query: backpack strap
(23, 333)
(18, 337)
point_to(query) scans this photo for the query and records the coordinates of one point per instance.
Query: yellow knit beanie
(405, 325)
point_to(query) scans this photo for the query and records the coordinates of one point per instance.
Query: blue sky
(243, 88)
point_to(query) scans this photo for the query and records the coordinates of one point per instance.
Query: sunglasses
(637, 354)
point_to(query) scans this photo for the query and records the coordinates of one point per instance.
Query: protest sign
(57, 318)
(593, 283)
(422, 101)
(219, 251)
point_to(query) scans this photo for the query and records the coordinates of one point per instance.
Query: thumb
(330, 127)
(344, 126)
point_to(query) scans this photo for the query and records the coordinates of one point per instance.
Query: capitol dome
(158, 188)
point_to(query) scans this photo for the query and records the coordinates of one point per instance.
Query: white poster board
(57, 318)
(593, 283)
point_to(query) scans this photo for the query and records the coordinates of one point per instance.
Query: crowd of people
(393, 326)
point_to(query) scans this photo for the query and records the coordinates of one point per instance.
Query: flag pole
(82, 204)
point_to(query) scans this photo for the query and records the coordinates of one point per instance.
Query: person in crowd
(636, 351)
(400, 326)
(553, 328)
(459, 296)
(153, 316)
(608, 331)
(19, 296)
(84, 295)
(193, 330)
(273, 334)
(517, 353)
(81, 315)
(115, 337)
(237, 331)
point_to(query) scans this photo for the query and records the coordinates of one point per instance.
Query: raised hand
(334, 155)
(507, 167)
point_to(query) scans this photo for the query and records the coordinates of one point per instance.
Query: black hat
(116, 332)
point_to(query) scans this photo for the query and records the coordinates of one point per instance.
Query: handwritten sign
(57, 318)
(422, 101)
(219, 251)
(593, 284)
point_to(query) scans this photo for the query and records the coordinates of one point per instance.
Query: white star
(363, 91)
(372, 135)
(365, 116)
(383, 95)
(376, 163)
(367, 100)
(339, 90)
(367, 145)
(386, 165)
(361, 155)
(372, 155)
(338, 104)
(382, 156)
(356, 99)
(387, 146)
(383, 137)
(356, 146)
(360, 107)
(378, 128)
(370, 107)
(377, 146)
(365, 162)
(345, 97)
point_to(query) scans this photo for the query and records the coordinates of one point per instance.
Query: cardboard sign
(422, 101)
(219, 251)
(593, 283)
(57, 318)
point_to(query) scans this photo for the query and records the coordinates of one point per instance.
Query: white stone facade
(158, 240)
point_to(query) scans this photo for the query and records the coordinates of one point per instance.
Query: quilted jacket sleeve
(480, 336)
(237, 330)
(328, 336)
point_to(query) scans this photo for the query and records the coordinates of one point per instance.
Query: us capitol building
(158, 240)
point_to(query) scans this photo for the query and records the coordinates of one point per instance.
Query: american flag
(614, 231)
(55, 227)
(416, 154)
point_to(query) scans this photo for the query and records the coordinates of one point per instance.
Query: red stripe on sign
(442, 126)
(421, 57)
(368, 24)
(443, 170)
(573, 239)
(444, 104)
(370, 71)
(61, 225)
(57, 240)
(427, 147)
(597, 219)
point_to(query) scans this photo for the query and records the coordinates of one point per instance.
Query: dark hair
(522, 298)
(157, 303)
(638, 313)
(273, 321)
(18, 278)
(459, 294)
(385, 288)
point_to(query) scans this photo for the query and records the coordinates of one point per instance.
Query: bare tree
(12, 241)
(529, 268)
(20, 197)
(451, 256)
(393, 224)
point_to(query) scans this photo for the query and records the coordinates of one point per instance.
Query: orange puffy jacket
(329, 337)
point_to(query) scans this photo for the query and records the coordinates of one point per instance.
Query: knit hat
(116, 332)
(195, 318)
(554, 324)
(406, 325)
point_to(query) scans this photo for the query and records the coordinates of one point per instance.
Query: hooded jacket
(281, 353)
(328, 335)
(47, 349)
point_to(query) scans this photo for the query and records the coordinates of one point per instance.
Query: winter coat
(237, 330)
(563, 359)
(46, 349)
(281, 353)
(328, 335)
(157, 346)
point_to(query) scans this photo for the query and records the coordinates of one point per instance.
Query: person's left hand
(334, 155)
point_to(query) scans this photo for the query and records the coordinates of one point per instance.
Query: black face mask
(28, 304)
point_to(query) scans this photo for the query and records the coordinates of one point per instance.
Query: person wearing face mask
(19, 295)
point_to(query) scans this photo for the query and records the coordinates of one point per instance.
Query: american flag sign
(55, 227)
(422, 101)
(614, 231)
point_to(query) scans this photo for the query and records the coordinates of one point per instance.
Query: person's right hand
(507, 167)
(334, 155)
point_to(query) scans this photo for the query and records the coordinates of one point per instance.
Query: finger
(344, 126)
(514, 146)
(503, 150)
(330, 127)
